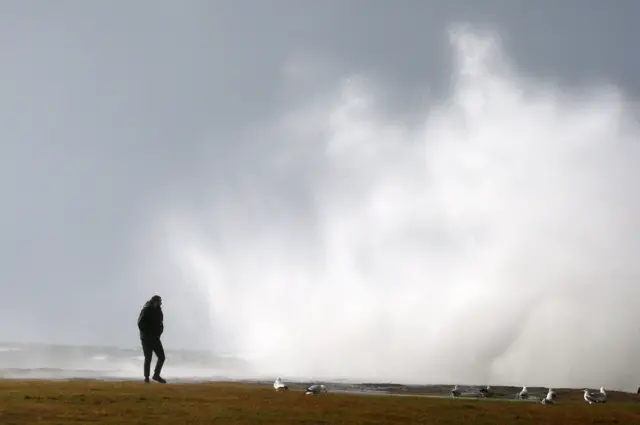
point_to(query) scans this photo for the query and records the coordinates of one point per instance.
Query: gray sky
(107, 108)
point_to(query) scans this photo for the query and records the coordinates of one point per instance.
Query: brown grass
(127, 403)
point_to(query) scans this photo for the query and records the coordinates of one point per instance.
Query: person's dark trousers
(152, 346)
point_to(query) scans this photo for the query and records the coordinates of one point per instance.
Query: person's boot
(146, 379)
(160, 379)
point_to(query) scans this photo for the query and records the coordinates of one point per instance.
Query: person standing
(151, 326)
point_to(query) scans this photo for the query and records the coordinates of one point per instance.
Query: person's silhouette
(151, 326)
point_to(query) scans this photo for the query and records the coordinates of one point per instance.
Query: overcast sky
(106, 108)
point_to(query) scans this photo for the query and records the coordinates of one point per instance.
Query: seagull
(523, 394)
(592, 398)
(603, 392)
(485, 391)
(279, 385)
(551, 395)
(316, 389)
(455, 392)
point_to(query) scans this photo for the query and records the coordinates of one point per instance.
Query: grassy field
(124, 403)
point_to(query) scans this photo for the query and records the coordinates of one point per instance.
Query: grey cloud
(109, 108)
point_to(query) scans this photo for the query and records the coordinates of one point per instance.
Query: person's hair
(156, 298)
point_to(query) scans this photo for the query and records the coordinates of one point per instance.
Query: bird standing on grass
(485, 391)
(550, 398)
(279, 385)
(523, 394)
(603, 394)
(593, 398)
(316, 389)
(551, 395)
(455, 392)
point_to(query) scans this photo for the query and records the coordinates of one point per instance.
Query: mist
(487, 237)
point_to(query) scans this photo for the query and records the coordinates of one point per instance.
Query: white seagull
(603, 394)
(485, 391)
(551, 395)
(279, 385)
(455, 392)
(523, 394)
(592, 398)
(316, 389)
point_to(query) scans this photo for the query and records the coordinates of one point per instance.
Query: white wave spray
(494, 241)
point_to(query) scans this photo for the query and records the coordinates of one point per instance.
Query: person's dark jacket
(150, 321)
